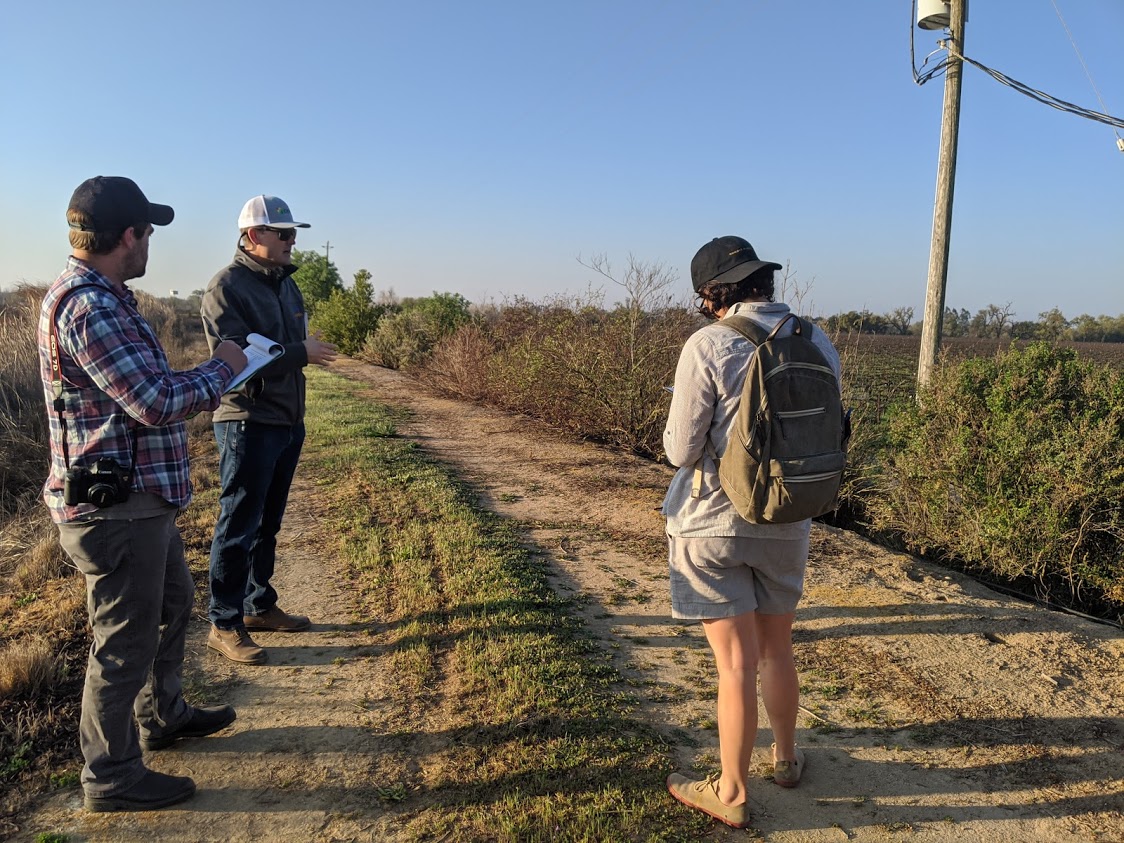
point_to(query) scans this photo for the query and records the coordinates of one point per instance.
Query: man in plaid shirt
(119, 476)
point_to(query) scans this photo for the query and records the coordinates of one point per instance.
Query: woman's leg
(734, 643)
(780, 687)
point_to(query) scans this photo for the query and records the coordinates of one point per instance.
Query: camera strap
(57, 379)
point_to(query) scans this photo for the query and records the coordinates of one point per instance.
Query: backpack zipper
(811, 478)
(796, 414)
(813, 366)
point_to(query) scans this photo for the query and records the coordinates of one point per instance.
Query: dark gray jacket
(246, 298)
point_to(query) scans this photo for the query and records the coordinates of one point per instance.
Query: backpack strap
(756, 334)
(745, 326)
(696, 482)
(802, 328)
(56, 373)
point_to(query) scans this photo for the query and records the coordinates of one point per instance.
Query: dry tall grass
(28, 666)
(23, 421)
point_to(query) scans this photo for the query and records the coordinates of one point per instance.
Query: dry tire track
(935, 709)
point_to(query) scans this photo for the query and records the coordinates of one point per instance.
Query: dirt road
(934, 709)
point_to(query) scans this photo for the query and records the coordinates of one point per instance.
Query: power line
(1048, 99)
(1085, 67)
(922, 76)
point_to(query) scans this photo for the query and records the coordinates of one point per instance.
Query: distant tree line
(993, 322)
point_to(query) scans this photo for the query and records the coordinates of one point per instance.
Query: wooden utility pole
(328, 251)
(942, 207)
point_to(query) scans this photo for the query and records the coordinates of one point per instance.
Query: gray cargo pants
(139, 594)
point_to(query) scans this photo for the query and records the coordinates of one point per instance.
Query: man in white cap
(259, 427)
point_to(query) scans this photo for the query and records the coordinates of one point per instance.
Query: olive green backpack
(787, 448)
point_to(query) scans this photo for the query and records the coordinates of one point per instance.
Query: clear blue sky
(482, 147)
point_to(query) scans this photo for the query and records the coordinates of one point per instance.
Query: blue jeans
(256, 467)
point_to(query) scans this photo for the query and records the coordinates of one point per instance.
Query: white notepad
(259, 351)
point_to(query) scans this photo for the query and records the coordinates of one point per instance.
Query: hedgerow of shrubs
(407, 336)
(1013, 465)
(600, 374)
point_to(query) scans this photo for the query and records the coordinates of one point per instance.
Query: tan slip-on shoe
(236, 644)
(704, 796)
(788, 773)
(276, 620)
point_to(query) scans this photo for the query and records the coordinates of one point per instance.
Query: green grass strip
(512, 713)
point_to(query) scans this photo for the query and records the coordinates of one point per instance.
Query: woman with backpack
(742, 580)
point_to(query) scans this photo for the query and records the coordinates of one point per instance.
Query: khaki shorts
(724, 576)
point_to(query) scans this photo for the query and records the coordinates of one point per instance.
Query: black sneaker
(202, 722)
(155, 790)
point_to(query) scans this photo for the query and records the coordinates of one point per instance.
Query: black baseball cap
(110, 204)
(726, 260)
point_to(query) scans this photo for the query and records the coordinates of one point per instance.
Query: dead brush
(23, 422)
(459, 364)
(28, 668)
(29, 544)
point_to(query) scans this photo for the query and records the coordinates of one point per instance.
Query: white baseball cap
(267, 211)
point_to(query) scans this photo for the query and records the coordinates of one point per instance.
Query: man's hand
(319, 352)
(230, 353)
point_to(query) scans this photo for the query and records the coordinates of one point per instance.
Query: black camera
(102, 484)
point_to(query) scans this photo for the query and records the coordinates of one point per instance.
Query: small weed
(67, 779)
(866, 712)
(27, 599)
(831, 691)
(51, 837)
(392, 793)
(898, 826)
(19, 760)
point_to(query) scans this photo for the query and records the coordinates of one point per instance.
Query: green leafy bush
(316, 277)
(1013, 465)
(349, 316)
(407, 337)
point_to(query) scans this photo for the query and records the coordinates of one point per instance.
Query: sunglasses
(283, 234)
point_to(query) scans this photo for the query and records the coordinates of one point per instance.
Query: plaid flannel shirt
(116, 379)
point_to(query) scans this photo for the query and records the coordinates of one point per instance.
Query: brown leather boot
(236, 644)
(276, 620)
